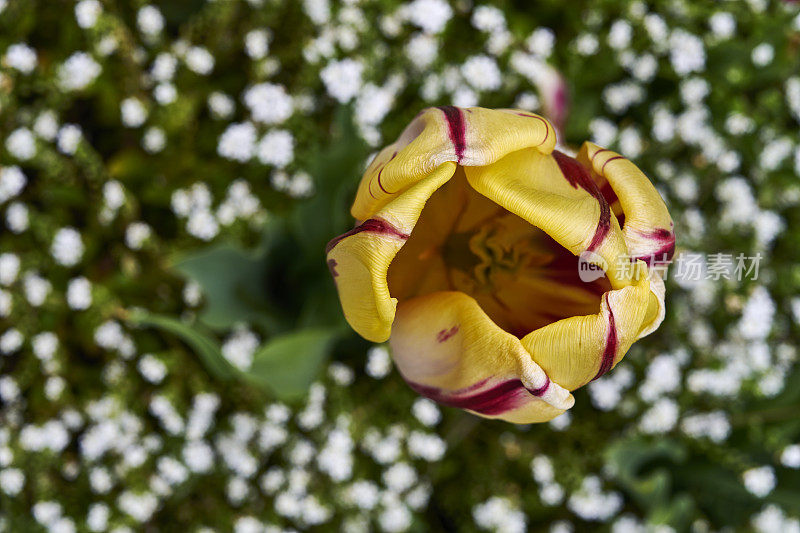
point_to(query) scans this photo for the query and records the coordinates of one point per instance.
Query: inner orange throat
(518, 274)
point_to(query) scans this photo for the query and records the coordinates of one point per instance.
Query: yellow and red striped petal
(360, 258)
(556, 194)
(449, 350)
(470, 137)
(648, 228)
(576, 350)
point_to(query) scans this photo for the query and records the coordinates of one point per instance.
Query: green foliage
(203, 345)
(287, 364)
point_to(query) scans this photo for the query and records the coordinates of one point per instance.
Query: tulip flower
(466, 256)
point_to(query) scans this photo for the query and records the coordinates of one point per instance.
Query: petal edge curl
(448, 349)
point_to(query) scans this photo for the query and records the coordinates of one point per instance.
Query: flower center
(519, 276)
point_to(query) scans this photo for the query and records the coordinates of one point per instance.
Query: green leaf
(205, 346)
(234, 283)
(287, 364)
(640, 467)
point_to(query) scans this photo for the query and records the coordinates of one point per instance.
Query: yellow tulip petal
(578, 349)
(648, 228)
(469, 137)
(555, 193)
(360, 258)
(448, 349)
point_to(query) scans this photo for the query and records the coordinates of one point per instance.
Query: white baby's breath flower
(687, 53)
(723, 24)
(790, 456)
(12, 181)
(268, 103)
(78, 72)
(319, 11)
(21, 144)
(133, 112)
(237, 142)
(342, 79)
(44, 345)
(430, 15)
(426, 412)
(152, 369)
(136, 234)
(421, 50)
(79, 293)
(164, 66)
(21, 57)
(221, 105)
(139, 506)
(67, 247)
(759, 481)
(499, 514)
(238, 348)
(427, 446)
(762, 54)
(5, 304)
(165, 93)
(12, 480)
(482, 73)
(199, 60)
(69, 136)
(276, 148)
(154, 140)
(87, 12)
(36, 288)
(661, 417)
(619, 36)
(198, 456)
(9, 268)
(150, 20)
(340, 373)
(379, 364)
(97, 517)
(11, 341)
(54, 387)
(256, 43)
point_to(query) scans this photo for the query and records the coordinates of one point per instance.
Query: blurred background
(172, 352)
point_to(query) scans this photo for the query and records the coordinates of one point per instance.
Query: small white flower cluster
(591, 503)
(194, 204)
(500, 515)
(551, 492)
(239, 348)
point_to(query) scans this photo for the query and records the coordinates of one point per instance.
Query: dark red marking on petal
(578, 176)
(611, 344)
(373, 225)
(457, 127)
(546, 127)
(381, 171)
(369, 188)
(500, 398)
(541, 390)
(332, 267)
(667, 240)
(610, 159)
(379, 181)
(609, 193)
(446, 334)
(601, 150)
